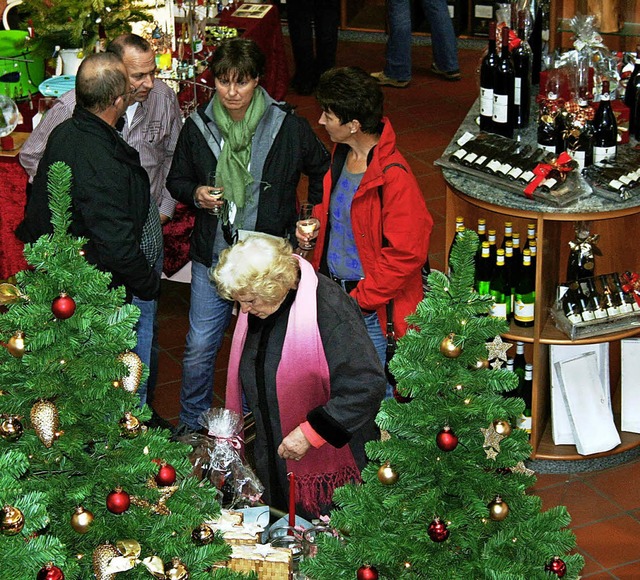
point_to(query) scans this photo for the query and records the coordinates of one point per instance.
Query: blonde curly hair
(260, 265)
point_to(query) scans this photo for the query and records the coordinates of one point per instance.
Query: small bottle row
(524, 372)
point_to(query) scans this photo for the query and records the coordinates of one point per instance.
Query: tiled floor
(604, 505)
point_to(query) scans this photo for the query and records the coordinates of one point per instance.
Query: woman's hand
(294, 446)
(206, 199)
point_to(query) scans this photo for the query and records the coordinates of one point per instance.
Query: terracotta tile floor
(605, 505)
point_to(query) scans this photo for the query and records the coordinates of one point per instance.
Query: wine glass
(216, 191)
(308, 226)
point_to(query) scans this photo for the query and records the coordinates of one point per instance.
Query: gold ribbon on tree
(130, 558)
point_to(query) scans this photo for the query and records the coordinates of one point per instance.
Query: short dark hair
(120, 43)
(101, 80)
(238, 56)
(351, 93)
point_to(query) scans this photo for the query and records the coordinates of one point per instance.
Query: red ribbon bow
(543, 169)
(632, 284)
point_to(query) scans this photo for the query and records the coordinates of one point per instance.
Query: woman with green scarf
(258, 149)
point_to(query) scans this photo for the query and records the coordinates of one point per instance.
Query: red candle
(292, 499)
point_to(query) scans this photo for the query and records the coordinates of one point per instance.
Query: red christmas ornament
(50, 572)
(118, 501)
(166, 475)
(401, 398)
(367, 572)
(63, 306)
(438, 530)
(446, 440)
(556, 566)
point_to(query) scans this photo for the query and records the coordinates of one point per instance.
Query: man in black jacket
(110, 189)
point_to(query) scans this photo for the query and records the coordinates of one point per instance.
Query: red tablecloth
(13, 183)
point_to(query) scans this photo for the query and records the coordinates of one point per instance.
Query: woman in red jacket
(375, 226)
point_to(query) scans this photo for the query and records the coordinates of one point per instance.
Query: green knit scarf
(236, 152)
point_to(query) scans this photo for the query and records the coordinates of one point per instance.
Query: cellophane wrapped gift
(267, 562)
(234, 530)
(217, 457)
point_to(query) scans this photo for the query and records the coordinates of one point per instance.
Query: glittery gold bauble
(132, 361)
(102, 555)
(502, 427)
(387, 475)
(11, 428)
(202, 535)
(12, 521)
(15, 344)
(481, 363)
(130, 426)
(81, 520)
(44, 418)
(176, 570)
(448, 347)
(498, 510)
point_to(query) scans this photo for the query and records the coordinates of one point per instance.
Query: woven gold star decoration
(498, 349)
(492, 440)
(491, 453)
(522, 468)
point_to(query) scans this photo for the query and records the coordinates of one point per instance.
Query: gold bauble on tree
(502, 427)
(498, 509)
(15, 344)
(11, 428)
(102, 555)
(387, 475)
(11, 521)
(448, 347)
(202, 535)
(81, 520)
(176, 570)
(131, 381)
(130, 426)
(44, 418)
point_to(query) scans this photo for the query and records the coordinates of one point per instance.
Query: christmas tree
(85, 487)
(78, 23)
(444, 494)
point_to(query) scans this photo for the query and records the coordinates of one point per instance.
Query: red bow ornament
(562, 165)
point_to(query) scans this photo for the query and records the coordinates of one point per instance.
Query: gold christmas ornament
(11, 428)
(102, 555)
(11, 521)
(498, 509)
(130, 426)
(481, 363)
(448, 347)
(132, 361)
(387, 475)
(176, 570)
(202, 535)
(81, 520)
(9, 294)
(15, 344)
(502, 427)
(498, 349)
(44, 418)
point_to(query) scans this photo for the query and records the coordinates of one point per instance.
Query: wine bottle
(531, 235)
(626, 300)
(579, 137)
(571, 306)
(472, 153)
(530, 163)
(536, 43)
(631, 92)
(533, 248)
(503, 87)
(459, 231)
(491, 238)
(509, 367)
(608, 297)
(519, 362)
(525, 293)
(605, 129)
(586, 307)
(509, 267)
(508, 232)
(522, 56)
(487, 72)
(518, 167)
(482, 231)
(484, 270)
(527, 395)
(517, 253)
(550, 125)
(596, 301)
(499, 289)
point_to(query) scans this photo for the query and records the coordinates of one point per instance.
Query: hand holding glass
(308, 227)
(216, 191)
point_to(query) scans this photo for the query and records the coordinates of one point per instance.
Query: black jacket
(284, 146)
(110, 200)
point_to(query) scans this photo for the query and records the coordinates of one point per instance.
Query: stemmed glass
(308, 226)
(216, 191)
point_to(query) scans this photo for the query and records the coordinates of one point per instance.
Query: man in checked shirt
(151, 125)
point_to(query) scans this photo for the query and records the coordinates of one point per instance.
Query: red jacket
(392, 271)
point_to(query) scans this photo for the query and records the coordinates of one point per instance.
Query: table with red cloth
(13, 184)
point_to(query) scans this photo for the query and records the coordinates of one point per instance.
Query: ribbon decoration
(235, 441)
(130, 550)
(562, 164)
(632, 285)
(9, 294)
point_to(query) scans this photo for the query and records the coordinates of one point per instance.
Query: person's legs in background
(443, 39)
(326, 24)
(397, 68)
(372, 322)
(209, 317)
(300, 23)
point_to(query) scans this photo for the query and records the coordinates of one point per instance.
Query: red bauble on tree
(166, 474)
(438, 530)
(50, 572)
(118, 501)
(63, 306)
(447, 440)
(367, 572)
(557, 566)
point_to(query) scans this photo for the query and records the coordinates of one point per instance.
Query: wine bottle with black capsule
(487, 73)
(533, 248)
(519, 362)
(509, 266)
(587, 309)
(571, 306)
(531, 235)
(596, 300)
(484, 270)
(529, 164)
(630, 93)
(500, 290)
(527, 396)
(525, 293)
(608, 297)
(605, 129)
(521, 56)
(579, 137)
(503, 87)
(625, 300)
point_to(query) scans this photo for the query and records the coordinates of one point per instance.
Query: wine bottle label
(504, 169)
(579, 157)
(613, 311)
(527, 176)
(574, 318)
(471, 158)
(601, 154)
(588, 315)
(517, 91)
(465, 138)
(459, 154)
(499, 310)
(625, 308)
(601, 313)
(625, 179)
(500, 108)
(615, 184)
(486, 102)
(523, 311)
(549, 183)
(480, 160)
(494, 165)
(635, 306)
(515, 173)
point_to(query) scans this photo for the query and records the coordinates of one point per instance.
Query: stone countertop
(489, 192)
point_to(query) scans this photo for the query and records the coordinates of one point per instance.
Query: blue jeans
(209, 317)
(443, 38)
(147, 346)
(372, 322)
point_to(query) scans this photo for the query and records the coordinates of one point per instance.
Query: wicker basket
(268, 564)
